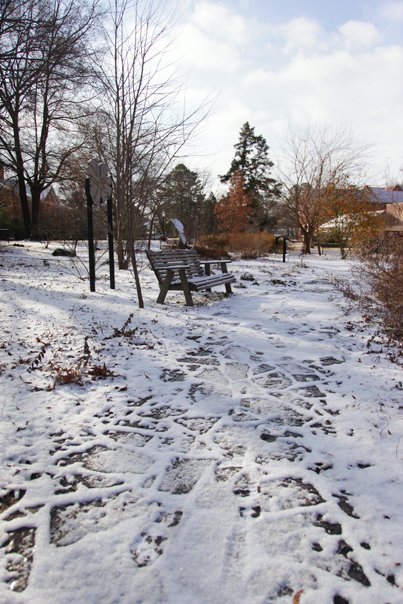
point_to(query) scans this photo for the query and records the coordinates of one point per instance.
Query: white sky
(282, 64)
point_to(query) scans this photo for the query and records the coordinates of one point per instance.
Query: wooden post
(110, 244)
(91, 250)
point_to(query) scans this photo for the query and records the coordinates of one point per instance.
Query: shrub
(382, 268)
(251, 245)
(212, 246)
(248, 245)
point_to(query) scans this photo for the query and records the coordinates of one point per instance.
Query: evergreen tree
(208, 216)
(182, 196)
(252, 159)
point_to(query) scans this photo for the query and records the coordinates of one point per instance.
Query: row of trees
(45, 60)
(316, 194)
(84, 78)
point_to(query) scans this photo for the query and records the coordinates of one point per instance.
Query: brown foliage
(251, 244)
(233, 210)
(212, 246)
(100, 372)
(297, 597)
(351, 216)
(66, 375)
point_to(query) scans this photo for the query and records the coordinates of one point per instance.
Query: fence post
(91, 250)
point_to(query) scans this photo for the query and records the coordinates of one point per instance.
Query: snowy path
(239, 451)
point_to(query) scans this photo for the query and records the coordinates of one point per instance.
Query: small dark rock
(247, 277)
(269, 438)
(62, 252)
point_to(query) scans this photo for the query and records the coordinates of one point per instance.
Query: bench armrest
(220, 261)
(207, 264)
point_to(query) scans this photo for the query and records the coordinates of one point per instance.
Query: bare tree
(145, 130)
(316, 162)
(350, 220)
(44, 63)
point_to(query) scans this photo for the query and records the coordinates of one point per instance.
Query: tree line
(80, 79)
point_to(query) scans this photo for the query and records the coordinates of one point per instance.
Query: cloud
(393, 11)
(217, 20)
(213, 38)
(301, 34)
(361, 92)
(294, 74)
(196, 48)
(359, 34)
(339, 83)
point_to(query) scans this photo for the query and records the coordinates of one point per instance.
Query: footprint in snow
(150, 545)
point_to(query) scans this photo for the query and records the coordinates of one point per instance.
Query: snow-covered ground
(239, 451)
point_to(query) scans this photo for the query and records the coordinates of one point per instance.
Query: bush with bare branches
(382, 268)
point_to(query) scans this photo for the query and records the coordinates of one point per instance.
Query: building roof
(381, 195)
(12, 184)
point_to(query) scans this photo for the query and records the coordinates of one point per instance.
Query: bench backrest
(160, 262)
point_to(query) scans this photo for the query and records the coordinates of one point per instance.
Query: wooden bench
(182, 270)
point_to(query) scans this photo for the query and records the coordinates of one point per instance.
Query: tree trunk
(133, 259)
(26, 215)
(307, 242)
(150, 230)
(121, 251)
(22, 187)
(136, 275)
(36, 199)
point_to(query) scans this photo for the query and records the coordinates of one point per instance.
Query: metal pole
(284, 248)
(91, 250)
(110, 244)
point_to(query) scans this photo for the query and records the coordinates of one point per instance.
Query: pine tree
(182, 196)
(252, 159)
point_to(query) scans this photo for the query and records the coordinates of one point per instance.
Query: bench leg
(208, 273)
(165, 287)
(186, 289)
(224, 269)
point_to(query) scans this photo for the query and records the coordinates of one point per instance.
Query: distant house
(390, 200)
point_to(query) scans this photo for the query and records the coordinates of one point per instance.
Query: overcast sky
(286, 64)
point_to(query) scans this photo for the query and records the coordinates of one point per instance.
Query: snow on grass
(238, 451)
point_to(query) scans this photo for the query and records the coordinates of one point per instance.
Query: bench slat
(182, 270)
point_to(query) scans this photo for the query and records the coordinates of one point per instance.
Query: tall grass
(248, 245)
(251, 245)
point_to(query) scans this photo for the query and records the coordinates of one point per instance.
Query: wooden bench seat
(182, 270)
